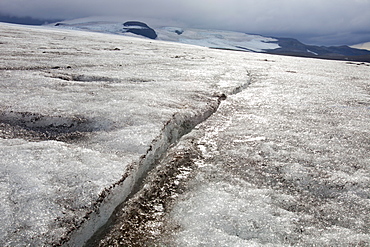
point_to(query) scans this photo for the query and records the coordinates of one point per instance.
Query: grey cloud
(314, 18)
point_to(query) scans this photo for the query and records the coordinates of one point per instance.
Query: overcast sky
(329, 22)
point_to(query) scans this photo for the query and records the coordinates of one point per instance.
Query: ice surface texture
(83, 116)
(284, 162)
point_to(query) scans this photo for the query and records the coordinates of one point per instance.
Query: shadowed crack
(38, 127)
(92, 78)
(82, 78)
(35, 68)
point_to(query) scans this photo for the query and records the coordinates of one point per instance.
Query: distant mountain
(24, 20)
(219, 39)
(201, 37)
(293, 47)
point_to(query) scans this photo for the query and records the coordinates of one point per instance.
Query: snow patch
(312, 52)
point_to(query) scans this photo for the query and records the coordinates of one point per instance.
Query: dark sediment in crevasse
(139, 221)
(179, 125)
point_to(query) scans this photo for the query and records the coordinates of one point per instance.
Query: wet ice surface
(282, 162)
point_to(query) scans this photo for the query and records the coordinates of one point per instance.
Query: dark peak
(344, 47)
(289, 41)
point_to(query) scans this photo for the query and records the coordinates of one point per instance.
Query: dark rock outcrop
(139, 28)
(179, 32)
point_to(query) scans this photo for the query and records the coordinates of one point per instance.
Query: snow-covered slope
(215, 38)
(201, 37)
(365, 46)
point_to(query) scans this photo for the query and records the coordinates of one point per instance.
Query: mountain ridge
(291, 46)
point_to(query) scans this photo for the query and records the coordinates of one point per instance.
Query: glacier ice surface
(282, 162)
(79, 111)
